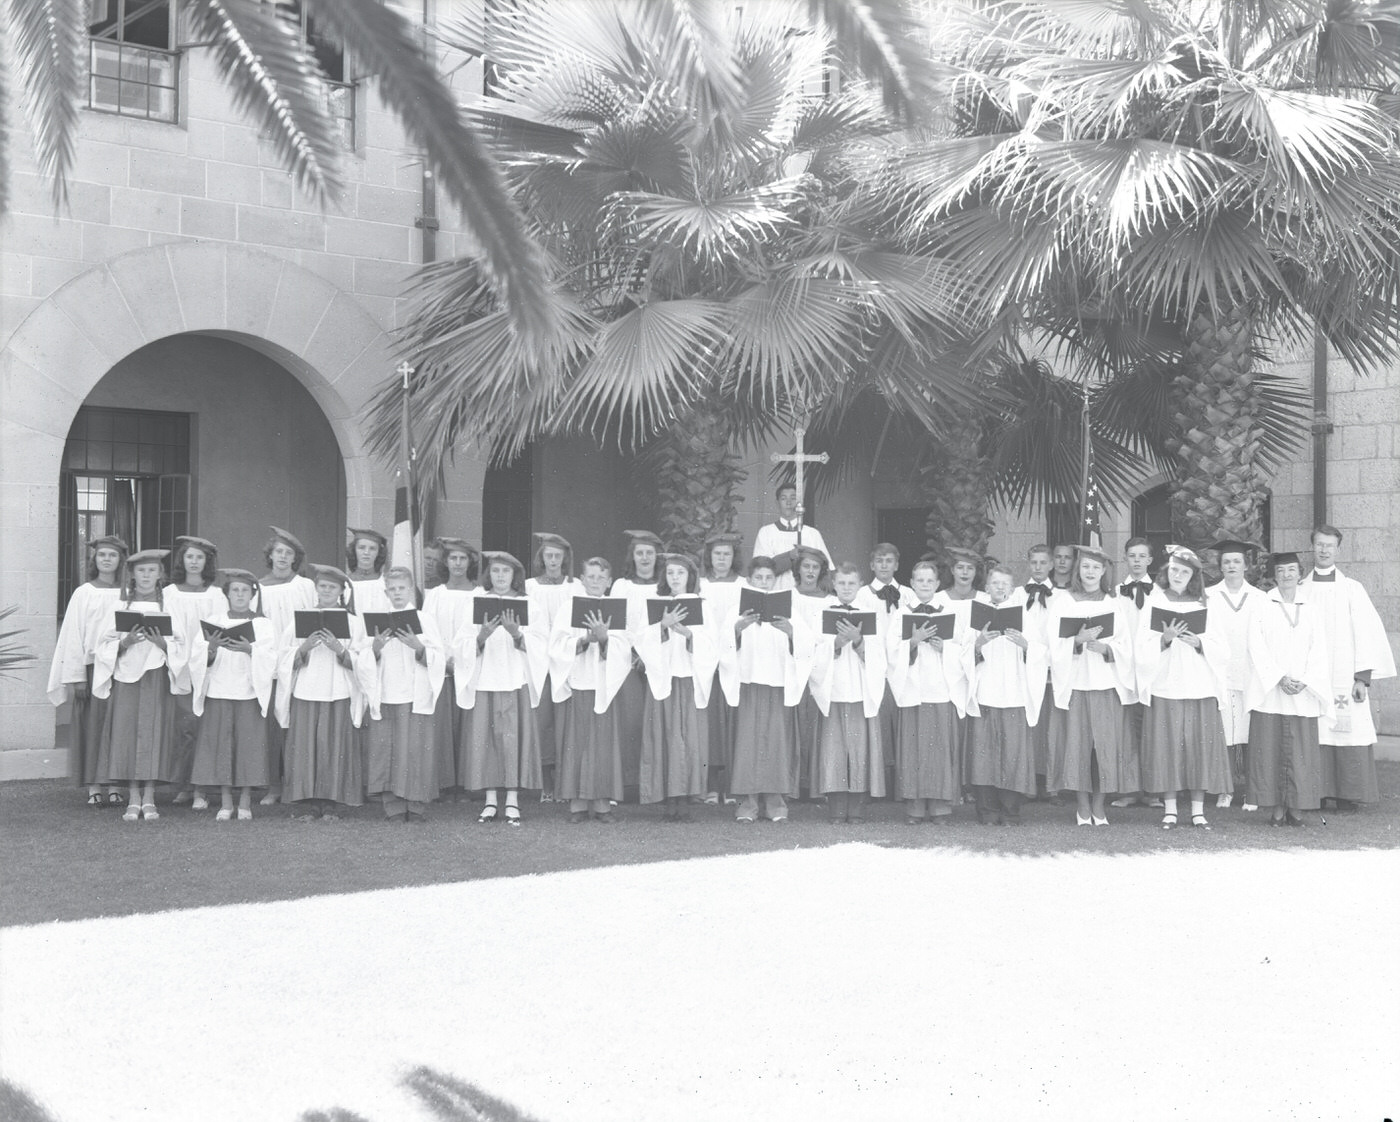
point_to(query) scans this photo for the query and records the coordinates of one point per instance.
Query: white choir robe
(1180, 671)
(1233, 615)
(721, 601)
(370, 596)
(1280, 649)
(762, 657)
(396, 677)
(548, 599)
(139, 657)
(868, 597)
(1356, 642)
(323, 678)
(83, 623)
(194, 607)
(280, 602)
(848, 676)
(1090, 671)
(1005, 677)
(449, 609)
(233, 676)
(962, 609)
(501, 667)
(936, 676)
(667, 660)
(774, 542)
(570, 669)
(1133, 615)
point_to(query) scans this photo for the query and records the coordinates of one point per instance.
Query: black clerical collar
(1327, 577)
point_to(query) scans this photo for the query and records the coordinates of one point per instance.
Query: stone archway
(306, 324)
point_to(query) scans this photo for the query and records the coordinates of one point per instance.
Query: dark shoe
(400, 818)
(1294, 820)
(1347, 804)
(577, 816)
(416, 819)
(607, 818)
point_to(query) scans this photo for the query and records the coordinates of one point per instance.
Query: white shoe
(1126, 800)
(199, 802)
(269, 799)
(225, 814)
(1248, 806)
(1222, 801)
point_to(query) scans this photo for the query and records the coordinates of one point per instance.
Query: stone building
(191, 346)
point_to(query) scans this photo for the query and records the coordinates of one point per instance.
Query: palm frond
(881, 41)
(50, 39)
(711, 226)
(13, 655)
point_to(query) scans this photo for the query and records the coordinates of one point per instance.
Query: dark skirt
(1001, 751)
(850, 754)
(1285, 766)
(765, 743)
(231, 750)
(321, 759)
(401, 759)
(276, 740)
(1092, 730)
(1040, 735)
(629, 704)
(721, 717)
(928, 752)
(85, 720)
(186, 738)
(1349, 772)
(1183, 747)
(138, 732)
(547, 726)
(447, 731)
(590, 763)
(675, 745)
(500, 742)
(808, 719)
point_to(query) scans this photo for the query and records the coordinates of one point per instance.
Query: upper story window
(329, 54)
(132, 67)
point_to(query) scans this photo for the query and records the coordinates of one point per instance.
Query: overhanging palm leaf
(49, 46)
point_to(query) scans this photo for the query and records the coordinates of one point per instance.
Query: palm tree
(1227, 171)
(716, 268)
(277, 80)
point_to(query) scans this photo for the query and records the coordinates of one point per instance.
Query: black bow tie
(923, 609)
(1037, 591)
(890, 595)
(1137, 589)
(1324, 578)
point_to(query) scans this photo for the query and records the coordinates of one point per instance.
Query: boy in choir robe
(1006, 674)
(1235, 601)
(404, 673)
(1137, 557)
(848, 683)
(721, 583)
(765, 666)
(1359, 654)
(282, 590)
(504, 662)
(1034, 597)
(449, 602)
(550, 587)
(929, 683)
(885, 596)
(780, 541)
(587, 666)
(637, 582)
(1290, 690)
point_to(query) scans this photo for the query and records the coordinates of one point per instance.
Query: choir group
(713, 681)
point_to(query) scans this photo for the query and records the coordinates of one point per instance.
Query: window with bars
(329, 54)
(132, 69)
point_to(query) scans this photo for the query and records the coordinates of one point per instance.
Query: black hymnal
(487, 608)
(693, 605)
(311, 620)
(1195, 620)
(768, 605)
(942, 625)
(158, 621)
(1070, 626)
(375, 622)
(864, 620)
(1007, 618)
(235, 631)
(613, 609)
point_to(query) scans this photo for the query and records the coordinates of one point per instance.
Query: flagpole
(412, 559)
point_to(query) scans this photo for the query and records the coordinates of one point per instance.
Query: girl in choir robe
(194, 595)
(587, 666)
(70, 674)
(680, 660)
(929, 685)
(847, 682)
(765, 670)
(1182, 677)
(403, 673)
(550, 588)
(720, 585)
(1290, 690)
(1235, 601)
(282, 591)
(365, 558)
(450, 606)
(1092, 675)
(320, 702)
(1006, 686)
(232, 688)
(638, 581)
(811, 591)
(504, 663)
(139, 671)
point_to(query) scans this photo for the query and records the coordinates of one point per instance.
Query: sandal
(488, 813)
(1100, 821)
(114, 798)
(1168, 821)
(149, 812)
(1199, 821)
(199, 802)
(512, 816)
(1080, 820)
(96, 799)
(132, 813)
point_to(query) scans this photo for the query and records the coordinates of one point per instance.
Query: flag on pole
(407, 547)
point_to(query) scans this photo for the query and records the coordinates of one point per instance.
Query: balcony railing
(133, 81)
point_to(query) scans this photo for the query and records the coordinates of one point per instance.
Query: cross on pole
(799, 459)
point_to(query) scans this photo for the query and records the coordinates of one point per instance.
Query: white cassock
(1356, 641)
(232, 676)
(192, 608)
(396, 677)
(501, 667)
(1005, 677)
(83, 622)
(570, 669)
(1287, 640)
(370, 596)
(1233, 614)
(772, 541)
(323, 678)
(671, 658)
(1180, 671)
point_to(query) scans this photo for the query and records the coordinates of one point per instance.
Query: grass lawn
(64, 861)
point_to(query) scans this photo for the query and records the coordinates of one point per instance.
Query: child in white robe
(365, 558)
(194, 595)
(550, 587)
(1235, 601)
(720, 586)
(503, 663)
(281, 592)
(637, 582)
(450, 606)
(587, 666)
(231, 681)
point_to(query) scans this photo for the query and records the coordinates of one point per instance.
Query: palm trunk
(697, 477)
(958, 484)
(1220, 489)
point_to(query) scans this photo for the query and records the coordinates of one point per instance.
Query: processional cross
(799, 460)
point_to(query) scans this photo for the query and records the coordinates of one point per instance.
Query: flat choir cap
(148, 557)
(330, 572)
(290, 538)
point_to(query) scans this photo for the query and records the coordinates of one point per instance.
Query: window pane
(105, 94)
(162, 104)
(102, 17)
(126, 426)
(149, 460)
(99, 424)
(151, 25)
(75, 455)
(162, 71)
(133, 99)
(124, 457)
(106, 59)
(99, 457)
(135, 66)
